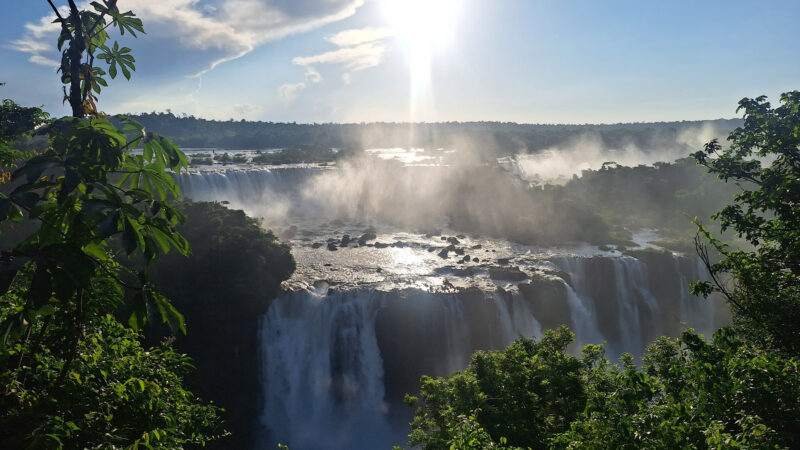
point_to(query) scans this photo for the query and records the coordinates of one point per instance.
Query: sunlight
(423, 27)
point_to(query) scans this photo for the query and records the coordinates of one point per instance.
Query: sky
(527, 61)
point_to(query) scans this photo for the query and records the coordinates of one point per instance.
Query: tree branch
(56, 11)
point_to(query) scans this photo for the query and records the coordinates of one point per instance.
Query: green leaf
(130, 236)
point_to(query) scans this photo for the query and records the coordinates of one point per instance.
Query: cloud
(312, 76)
(353, 59)
(288, 92)
(232, 27)
(246, 110)
(349, 38)
(38, 40)
(359, 49)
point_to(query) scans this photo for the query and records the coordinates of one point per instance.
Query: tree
(741, 389)
(761, 284)
(689, 393)
(61, 282)
(524, 394)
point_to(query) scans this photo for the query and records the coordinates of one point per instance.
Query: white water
(323, 370)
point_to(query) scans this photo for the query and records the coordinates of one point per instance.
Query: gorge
(393, 283)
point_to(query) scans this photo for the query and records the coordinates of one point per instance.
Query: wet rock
(503, 261)
(465, 272)
(453, 240)
(398, 244)
(445, 251)
(379, 270)
(432, 249)
(332, 247)
(381, 245)
(465, 259)
(475, 259)
(444, 238)
(367, 236)
(317, 245)
(507, 274)
(461, 236)
(459, 251)
(345, 240)
(476, 247)
(332, 240)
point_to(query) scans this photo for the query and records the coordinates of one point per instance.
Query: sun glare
(423, 27)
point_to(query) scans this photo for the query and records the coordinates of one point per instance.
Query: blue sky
(538, 61)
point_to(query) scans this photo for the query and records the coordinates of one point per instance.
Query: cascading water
(323, 371)
(336, 364)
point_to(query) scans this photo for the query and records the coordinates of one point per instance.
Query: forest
(490, 138)
(120, 302)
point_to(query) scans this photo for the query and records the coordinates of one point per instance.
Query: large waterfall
(362, 322)
(337, 364)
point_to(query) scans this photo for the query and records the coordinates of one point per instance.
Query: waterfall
(325, 383)
(266, 193)
(323, 371)
(695, 312)
(583, 319)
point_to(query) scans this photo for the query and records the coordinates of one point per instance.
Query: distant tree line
(483, 137)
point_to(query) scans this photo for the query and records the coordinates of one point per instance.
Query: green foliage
(16, 122)
(118, 395)
(525, 394)
(71, 375)
(741, 389)
(83, 190)
(690, 393)
(762, 284)
(664, 196)
(86, 37)
(234, 270)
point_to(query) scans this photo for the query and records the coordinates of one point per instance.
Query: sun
(424, 28)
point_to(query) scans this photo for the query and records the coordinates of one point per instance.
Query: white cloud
(246, 110)
(349, 38)
(312, 76)
(353, 59)
(235, 27)
(38, 41)
(288, 92)
(359, 49)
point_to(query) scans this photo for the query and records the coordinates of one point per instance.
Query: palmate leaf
(126, 22)
(118, 56)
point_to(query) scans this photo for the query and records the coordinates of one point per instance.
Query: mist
(589, 151)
